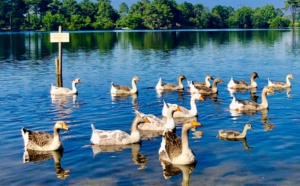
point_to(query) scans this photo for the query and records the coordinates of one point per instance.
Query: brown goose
(125, 90)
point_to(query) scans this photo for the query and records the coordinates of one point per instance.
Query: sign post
(59, 38)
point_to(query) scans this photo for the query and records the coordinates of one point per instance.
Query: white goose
(118, 137)
(175, 150)
(184, 111)
(43, 141)
(239, 105)
(156, 123)
(65, 91)
(281, 84)
(125, 90)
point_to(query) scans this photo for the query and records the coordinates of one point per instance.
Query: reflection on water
(64, 104)
(170, 170)
(243, 140)
(39, 156)
(120, 98)
(137, 158)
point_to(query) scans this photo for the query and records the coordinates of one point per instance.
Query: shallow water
(269, 156)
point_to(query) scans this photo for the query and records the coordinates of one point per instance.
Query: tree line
(158, 14)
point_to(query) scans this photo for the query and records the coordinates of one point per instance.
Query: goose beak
(271, 91)
(201, 98)
(179, 109)
(196, 124)
(147, 120)
(65, 127)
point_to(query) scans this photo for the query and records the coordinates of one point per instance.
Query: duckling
(240, 105)
(65, 91)
(125, 90)
(281, 84)
(233, 84)
(118, 137)
(175, 150)
(205, 90)
(43, 141)
(170, 87)
(234, 134)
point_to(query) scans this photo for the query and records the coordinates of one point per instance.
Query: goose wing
(173, 144)
(39, 138)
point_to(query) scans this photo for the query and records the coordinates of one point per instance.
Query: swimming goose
(170, 87)
(233, 84)
(124, 90)
(175, 150)
(156, 123)
(234, 134)
(240, 105)
(184, 111)
(205, 90)
(206, 84)
(44, 141)
(65, 91)
(118, 137)
(281, 84)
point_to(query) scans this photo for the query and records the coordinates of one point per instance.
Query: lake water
(269, 156)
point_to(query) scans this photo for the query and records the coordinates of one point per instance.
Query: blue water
(270, 157)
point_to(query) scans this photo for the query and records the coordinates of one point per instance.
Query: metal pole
(60, 84)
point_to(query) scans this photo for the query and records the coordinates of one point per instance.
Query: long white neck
(244, 133)
(135, 134)
(180, 83)
(170, 125)
(288, 83)
(185, 141)
(252, 82)
(194, 110)
(207, 83)
(134, 87)
(74, 89)
(264, 102)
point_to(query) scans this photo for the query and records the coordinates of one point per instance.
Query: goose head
(135, 79)
(181, 77)
(290, 76)
(61, 125)
(254, 75)
(77, 81)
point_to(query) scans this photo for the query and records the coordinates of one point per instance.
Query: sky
(211, 3)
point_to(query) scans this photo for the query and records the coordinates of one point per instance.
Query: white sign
(59, 38)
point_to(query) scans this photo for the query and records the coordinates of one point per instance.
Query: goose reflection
(252, 91)
(170, 170)
(63, 104)
(62, 99)
(160, 93)
(125, 96)
(265, 120)
(38, 156)
(243, 140)
(137, 158)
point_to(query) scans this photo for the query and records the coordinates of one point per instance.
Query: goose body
(118, 137)
(233, 84)
(43, 141)
(175, 150)
(125, 90)
(156, 123)
(65, 91)
(206, 83)
(160, 86)
(184, 111)
(240, 105)
(205, 90)
(235, 134)
(287, 84)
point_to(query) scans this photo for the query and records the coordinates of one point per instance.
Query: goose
(234, 134)
(170, 87)
(281, 84)
(65, 91)
(118, 137)
(125, 90)
(240, 105)
(184, 111)
(175, 150)
(205, 90)
(156, 123)
(233, 84)
(43, 141)
(206, 84)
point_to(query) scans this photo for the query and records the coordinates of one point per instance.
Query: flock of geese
(173, 149)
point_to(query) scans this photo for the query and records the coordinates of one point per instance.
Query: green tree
(123, 9)
(220, 15)
(105, 10)
(79, 22)
(293, 6)
(187, 13)
(242, 18)
(279, 22)
(70, 7)
(158, 16)
(17, 10)
(263, 16)
(56, 7)
(4, 8)
(52, 22)
(132, 21)
(88, 9)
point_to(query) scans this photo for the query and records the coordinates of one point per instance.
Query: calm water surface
(269, 156)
